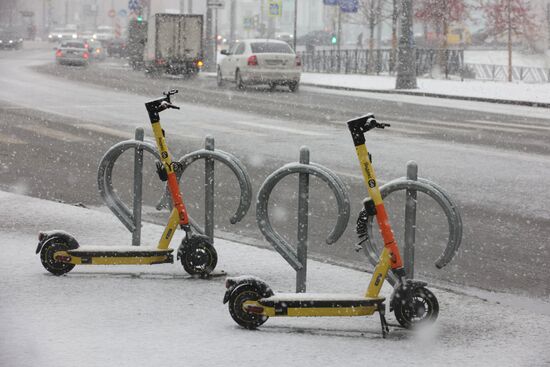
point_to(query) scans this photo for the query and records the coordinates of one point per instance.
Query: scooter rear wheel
(47, 257)
(199, 259)
(236, 301)
(421, 308)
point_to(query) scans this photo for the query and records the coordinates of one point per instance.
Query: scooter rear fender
(44, 237)
(234, 283)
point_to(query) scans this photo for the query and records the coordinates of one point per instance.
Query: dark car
(10, 41)
(117, 47)
(72, 53)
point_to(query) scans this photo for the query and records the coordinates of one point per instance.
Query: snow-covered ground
(468, 88)
(157, 315)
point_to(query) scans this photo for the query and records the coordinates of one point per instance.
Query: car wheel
(239, 80)
(219, 77)
(293, 86)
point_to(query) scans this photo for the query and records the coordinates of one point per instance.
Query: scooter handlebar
(360, 125)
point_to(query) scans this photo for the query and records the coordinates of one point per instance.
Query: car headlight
(20, 40)
(0, 41)
(59, 36)
(74, 35)
(11, 41)
(50, 36)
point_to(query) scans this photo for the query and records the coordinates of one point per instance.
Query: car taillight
(58, 53)
(200, 64)
(252, 60)
(298, 61)
(85, 55)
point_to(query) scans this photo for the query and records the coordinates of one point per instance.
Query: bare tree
(510, 17)
(440, 14)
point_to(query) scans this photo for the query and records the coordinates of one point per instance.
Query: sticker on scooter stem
(164, 155)
(372, 183)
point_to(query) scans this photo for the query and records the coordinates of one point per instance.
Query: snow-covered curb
(484, 91)
(523, 94)
(157, 315)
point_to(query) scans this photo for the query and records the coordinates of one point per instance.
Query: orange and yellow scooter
(252, 302)
(60, 252)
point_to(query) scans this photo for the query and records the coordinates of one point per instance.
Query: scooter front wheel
(199, 259)
(47, 257)
(238, 313)
(421, 308)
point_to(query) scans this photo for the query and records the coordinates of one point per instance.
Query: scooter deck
(311, 304)
(119, 255)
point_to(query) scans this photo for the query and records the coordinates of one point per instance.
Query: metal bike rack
(412, 184)
(297, 258)
(210, 155)
(132, 219)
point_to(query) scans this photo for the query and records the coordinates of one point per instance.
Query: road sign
(348, 6)
(111, 13)
(275, 8)
(217, 4)
(122, 13)
(330, 2)
(133, 4)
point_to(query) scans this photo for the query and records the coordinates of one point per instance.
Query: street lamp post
(295, 22)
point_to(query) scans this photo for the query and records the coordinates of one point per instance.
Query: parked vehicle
(174, 44)
(260, 61)
(137, 37)
(10, 40)
(72, 53)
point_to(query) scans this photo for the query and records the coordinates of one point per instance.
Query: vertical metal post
(339, 37)
(295, 24)
(303, 222)
(210, 55)
(232, 19)
(138, 182)
(410, 221)
(209, 190)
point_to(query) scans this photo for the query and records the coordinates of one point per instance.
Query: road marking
(279, 128)
(219, 128)
(6, 139)
(504, 124)
(107, 130)
(52, 133)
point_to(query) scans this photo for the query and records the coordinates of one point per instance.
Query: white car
(260, 61)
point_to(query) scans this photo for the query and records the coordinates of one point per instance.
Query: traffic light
(333, 40)
(139, 18)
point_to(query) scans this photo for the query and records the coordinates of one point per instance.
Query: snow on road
(157, 315)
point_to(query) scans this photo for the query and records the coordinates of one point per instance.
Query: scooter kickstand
(383, 322)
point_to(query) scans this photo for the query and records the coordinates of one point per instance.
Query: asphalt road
(57, 122)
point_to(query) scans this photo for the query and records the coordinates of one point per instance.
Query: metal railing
(379, 61)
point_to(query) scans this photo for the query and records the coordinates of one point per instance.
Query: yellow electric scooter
(60, 252)
(252, 302)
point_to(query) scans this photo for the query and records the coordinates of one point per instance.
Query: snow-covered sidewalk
(475, 89)
(157, 315)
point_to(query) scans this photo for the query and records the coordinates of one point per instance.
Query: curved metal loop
(449, 207)
(233, 164)
(262, 216)
(104, 179)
